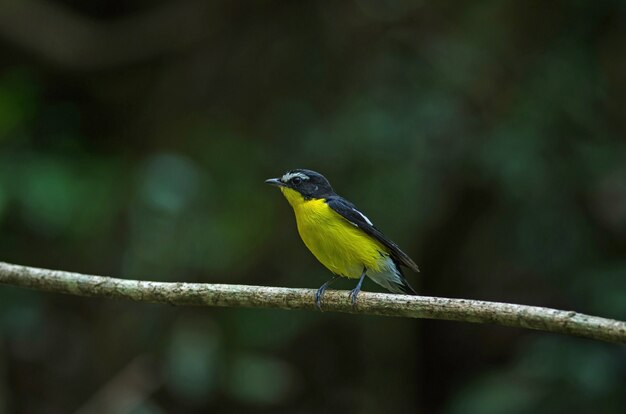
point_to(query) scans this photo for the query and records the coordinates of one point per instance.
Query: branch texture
(202, 294)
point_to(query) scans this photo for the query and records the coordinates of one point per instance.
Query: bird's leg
(320, 292)
(354, 293)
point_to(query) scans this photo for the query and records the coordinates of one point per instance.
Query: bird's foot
(319, 295)
(353, 295)
(355, 292)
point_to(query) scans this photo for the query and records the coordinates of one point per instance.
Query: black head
(308, 183)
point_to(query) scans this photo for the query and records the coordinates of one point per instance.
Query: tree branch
(202, 294)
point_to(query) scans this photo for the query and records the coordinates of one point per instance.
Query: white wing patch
(288, 176)
(364, 218)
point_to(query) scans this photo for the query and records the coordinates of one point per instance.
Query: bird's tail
(392, 279)
(405, 287)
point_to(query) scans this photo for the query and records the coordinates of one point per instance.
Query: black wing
(349, 211)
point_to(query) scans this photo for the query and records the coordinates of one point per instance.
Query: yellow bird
(341, 237)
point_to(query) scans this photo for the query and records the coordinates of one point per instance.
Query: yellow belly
(339, 245)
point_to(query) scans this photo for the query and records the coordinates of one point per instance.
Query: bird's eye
(296, 180)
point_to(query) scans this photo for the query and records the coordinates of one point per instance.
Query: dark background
(486, 137)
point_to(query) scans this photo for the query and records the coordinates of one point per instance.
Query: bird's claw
(319, 295)
(353, 295)
(318, 299)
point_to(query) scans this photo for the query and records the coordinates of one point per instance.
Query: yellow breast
(339, 245)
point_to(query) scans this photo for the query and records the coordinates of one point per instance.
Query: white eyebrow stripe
(364, 218)
(291, 175)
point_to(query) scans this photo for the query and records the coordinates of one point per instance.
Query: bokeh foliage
(486, 138)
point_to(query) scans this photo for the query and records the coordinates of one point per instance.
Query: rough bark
(202, 294)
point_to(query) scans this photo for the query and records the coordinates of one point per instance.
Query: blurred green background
(486, 137)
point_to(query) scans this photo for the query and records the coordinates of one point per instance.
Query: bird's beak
(275, 182)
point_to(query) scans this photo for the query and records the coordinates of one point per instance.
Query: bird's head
(302, 185)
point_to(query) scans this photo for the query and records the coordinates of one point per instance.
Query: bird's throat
(293, 197)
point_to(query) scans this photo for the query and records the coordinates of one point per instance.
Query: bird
(341, 237)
